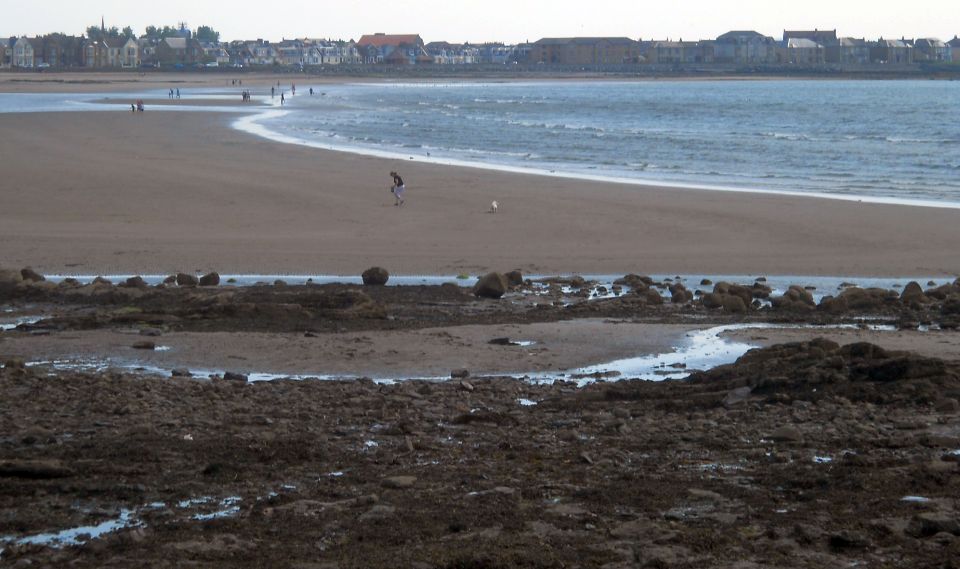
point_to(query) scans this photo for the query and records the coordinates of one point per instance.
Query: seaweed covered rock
(796, 299)
(491, 285)
(210, 279)
(821, 368)
(375, 276)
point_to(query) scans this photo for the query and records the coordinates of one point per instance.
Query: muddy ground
(799, 455)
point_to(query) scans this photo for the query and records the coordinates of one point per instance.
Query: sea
(874, 141)
(882, 141)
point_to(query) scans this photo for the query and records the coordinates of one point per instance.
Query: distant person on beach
(283, 99)
(133, 108)
(311, 91)
(178, 92)
(397, 189)
(293, 90)
(140, 105)
(170, 96)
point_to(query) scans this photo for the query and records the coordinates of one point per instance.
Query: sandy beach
(101, 192)
(182, 422)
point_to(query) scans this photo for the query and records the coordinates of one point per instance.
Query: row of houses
(747, 47)
(806, 48)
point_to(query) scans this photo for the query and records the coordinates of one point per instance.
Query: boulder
(745, 293)
(135, 282)
(514, 278)
(491, 285)
(184, 279)
(29, 274)
(460, 374)
(867, 298)
(144, 345)
(231, 376)
(913, 293)
(679, 294)
(796, 299)
(635, 281)
(652, 297)
(734, 304)
(210, 279)
(712, 300)
(375, 276)
(10, 277)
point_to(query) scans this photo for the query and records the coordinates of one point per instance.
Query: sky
(509, 21)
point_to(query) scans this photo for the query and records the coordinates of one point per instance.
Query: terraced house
(932, 49)
(6, 51)
(27, 52)
(395, 49)
(745, 47)
(585, 51)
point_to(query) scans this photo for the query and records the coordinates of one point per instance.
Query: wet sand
(429, 353)
(159, 192)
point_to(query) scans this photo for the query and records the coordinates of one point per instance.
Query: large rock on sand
(514, 278)
(796, 299)
(491, 285)
(10, 277)
(29, 274)
(375, 276)
(210, 279)
(184, 279)
(913, 293)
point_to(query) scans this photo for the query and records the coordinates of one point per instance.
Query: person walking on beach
(283, 99)
(273, 92)
(178, 92)
(397, 189)
(170, 96)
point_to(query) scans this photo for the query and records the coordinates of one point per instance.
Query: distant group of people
(238, 82)
(170, 95)
(246, 96)
(137, 107)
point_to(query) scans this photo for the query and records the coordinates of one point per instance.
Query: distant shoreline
(15, 80)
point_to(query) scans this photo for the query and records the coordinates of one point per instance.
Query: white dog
(494, 206)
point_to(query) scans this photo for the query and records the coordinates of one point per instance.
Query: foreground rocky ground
(803, 455)
(800, 455)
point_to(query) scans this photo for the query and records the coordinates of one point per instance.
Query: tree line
(203, 33)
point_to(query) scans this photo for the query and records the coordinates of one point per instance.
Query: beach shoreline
(287, 199)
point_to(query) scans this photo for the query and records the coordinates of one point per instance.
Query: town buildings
(585, 51)
(178, 48)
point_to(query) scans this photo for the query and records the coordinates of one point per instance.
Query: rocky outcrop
(862, 299)
(491, 285)
(821, 368)
(375, 276)
(732, 298)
